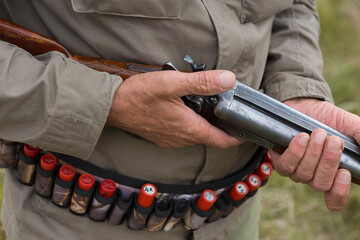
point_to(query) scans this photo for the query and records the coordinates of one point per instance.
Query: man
(140, 127)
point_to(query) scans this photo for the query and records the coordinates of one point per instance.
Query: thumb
(203, 83)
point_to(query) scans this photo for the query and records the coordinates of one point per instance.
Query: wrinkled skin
(150, 106)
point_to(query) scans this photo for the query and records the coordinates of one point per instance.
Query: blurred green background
(294, 211)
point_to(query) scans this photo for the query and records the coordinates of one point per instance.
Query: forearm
(52, 102)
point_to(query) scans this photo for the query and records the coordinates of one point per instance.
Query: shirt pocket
(256, 10)
(156, 9)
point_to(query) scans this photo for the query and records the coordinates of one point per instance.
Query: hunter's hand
(315, 159)
(150, 105)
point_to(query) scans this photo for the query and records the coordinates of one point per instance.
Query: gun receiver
(242, 112)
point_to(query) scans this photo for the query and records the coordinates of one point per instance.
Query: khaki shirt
(57, 104)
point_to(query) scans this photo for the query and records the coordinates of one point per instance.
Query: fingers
(328, 164)
(199, 83)
(287, 163)
(306, 168)
(315, 161)
(214, 137)
(337, 197)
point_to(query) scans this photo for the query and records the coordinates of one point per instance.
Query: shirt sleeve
(294, 66)
(53, 102)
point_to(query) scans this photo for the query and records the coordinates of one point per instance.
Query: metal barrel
(253, 116)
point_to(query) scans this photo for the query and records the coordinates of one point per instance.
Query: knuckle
(304, 176)
(297, 155)
(295, 178)
(315, 155)
(332, 161)
(321, 186)
(201, 134)
(285, 169)
(205, 82)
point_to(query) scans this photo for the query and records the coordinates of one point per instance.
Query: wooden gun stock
(37, 44)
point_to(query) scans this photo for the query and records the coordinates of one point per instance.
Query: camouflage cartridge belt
(172, 202)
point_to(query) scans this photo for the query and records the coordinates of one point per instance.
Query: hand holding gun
(238, 110)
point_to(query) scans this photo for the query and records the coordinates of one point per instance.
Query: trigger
(194, 102)
(169, 66)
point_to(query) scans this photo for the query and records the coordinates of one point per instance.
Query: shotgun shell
(45, 175)
(107, 188)
(267, 158)
(31, 151)
(253, 181)
(81, 196)
(67, 173)
(206, 200)
(264, 171)
(86, 181)
(102, 201)
(63, 186)
(239, 191)
(147, 195)
(26, 167)
(48, 162)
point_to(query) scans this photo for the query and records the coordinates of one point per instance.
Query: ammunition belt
(172, 204)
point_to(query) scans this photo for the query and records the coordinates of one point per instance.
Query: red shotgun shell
(253, 181)
(206, 200)
(48, 162)
(147, 195)
(31, 151)
(67, 173)
(239, 191)
(86, 181)
(267, 158)
(107, 188)
(264, 170)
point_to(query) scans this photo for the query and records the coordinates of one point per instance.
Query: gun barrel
(256, 117)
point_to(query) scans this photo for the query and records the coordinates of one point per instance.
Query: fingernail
(304, 140)
(320, 137)
(334, 145)
(227, 80)
(344, 177)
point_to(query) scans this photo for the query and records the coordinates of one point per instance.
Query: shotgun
(242, 112)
